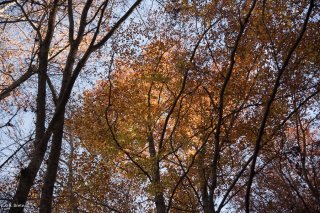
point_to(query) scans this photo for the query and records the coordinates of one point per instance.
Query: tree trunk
(267, 108)
(158, 199)
(207, 204)
(160, 204)
(53, 163)
(155, 182)
(28, 175)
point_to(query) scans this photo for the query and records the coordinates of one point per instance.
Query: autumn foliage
(172, 106)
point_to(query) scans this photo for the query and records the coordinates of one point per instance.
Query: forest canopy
(159, 106)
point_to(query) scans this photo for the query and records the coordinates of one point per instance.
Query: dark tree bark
(54, 156)
(155, 181)
(69, 78)
(6, 92)
(268, 106)
(217, 144)
(52, 168)
(28, 175)
(207, 208)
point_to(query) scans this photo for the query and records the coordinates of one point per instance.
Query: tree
(235, 92)
(196, 104)
(45, 21)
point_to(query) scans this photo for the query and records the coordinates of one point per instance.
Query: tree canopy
(160, 106)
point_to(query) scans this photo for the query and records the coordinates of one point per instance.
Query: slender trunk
(53, 162)
(28, 175)
(217, 142)
(160, 205)
(158, 199)
(68, 81)
(267, 108)
(155, 182)
(208, 205)
(54, 156)
(207, 208)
